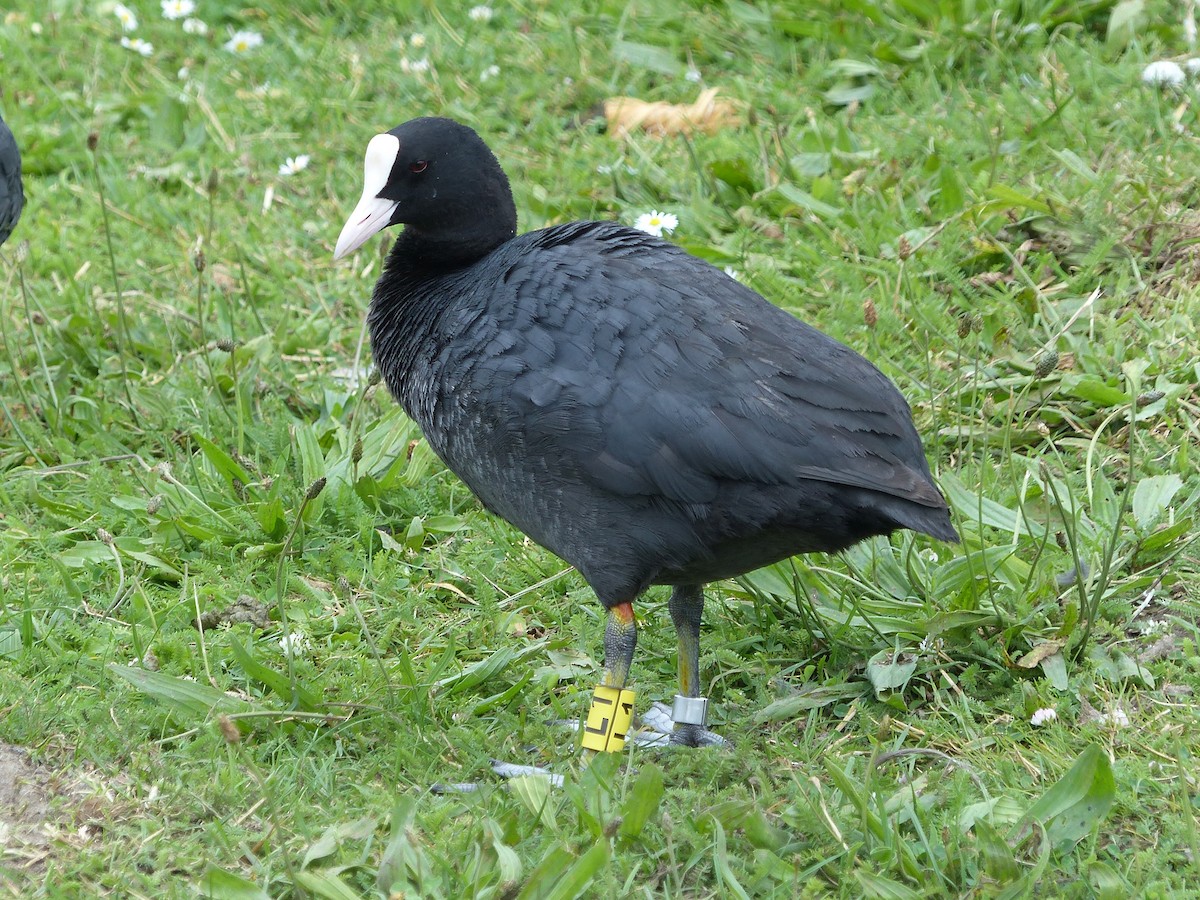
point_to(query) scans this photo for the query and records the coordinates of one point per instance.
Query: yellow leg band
(608, 719)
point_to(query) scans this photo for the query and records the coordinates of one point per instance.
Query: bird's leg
(690, 710)
(620, 642)
(609, 716)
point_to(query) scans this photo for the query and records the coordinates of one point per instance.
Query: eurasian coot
(628, 406)
(12, 196)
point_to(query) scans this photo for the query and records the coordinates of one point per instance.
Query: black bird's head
(440, 180)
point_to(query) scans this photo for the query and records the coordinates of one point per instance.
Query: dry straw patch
(708, 114)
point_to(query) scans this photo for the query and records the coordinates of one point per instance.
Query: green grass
(985, 201)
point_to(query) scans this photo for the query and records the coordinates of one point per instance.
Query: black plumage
(628, 406)
(12, 195)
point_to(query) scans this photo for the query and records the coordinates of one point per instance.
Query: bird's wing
(652, 373)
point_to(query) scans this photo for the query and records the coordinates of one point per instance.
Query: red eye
(419, 166)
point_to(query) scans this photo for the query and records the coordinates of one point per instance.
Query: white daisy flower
(126, 17)
(177, 9)
(294, 164)
(481, 13)
(137, 45)
(195, 26)
(294, 644)
(417, 41)
(414, 66)
(183, 73)
(243, 42)
(1043, 716)
(1163, 73)
(489, 73)
(656, 223)
(1118, 718)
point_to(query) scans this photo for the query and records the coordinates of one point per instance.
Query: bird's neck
(425, 274)
(429, 252)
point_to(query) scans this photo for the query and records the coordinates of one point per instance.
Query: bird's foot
(666, 730)
(516, 770)
(697, 736)
(505, 770)
(656, 728)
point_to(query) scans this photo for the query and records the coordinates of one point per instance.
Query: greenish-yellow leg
(620, 642)
(690, 710)
(611, 712)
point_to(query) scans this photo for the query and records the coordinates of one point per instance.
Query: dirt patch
(47, 811)
(25, 794)
(1170, 249)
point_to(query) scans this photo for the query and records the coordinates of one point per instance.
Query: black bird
(628, 406)
(12, 196)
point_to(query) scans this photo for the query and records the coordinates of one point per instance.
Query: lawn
(247, 619)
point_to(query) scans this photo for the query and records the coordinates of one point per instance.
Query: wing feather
(663, 377)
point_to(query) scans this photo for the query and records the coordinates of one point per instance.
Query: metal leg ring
(690, 710)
